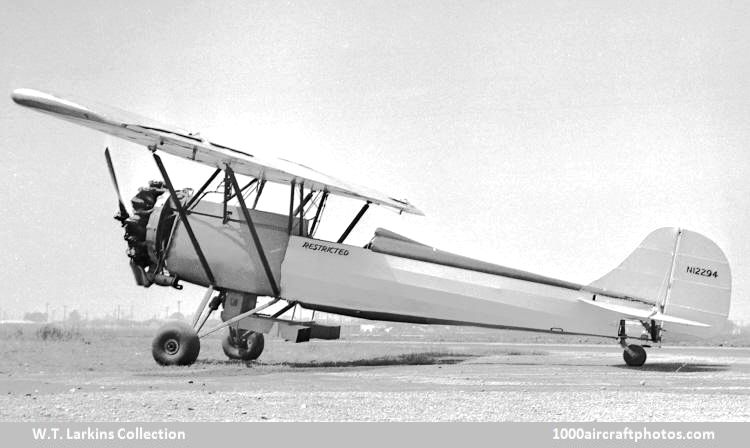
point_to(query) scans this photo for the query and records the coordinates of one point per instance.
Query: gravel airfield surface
(109, 377)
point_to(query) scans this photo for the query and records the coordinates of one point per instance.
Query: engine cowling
(161, 251)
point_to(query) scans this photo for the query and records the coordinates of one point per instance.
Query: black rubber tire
(637, 359)
(231, 350)
(250, 348)
(176, 344)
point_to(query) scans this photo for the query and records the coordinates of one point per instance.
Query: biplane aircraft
(675, 281)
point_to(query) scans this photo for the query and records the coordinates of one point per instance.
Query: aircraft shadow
(677, 367)
(409, 359)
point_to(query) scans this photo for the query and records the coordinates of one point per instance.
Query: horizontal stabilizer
(677, 320)
(642, 313)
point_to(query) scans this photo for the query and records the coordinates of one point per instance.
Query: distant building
(36, 316)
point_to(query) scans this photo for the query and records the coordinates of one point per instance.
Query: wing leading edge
(191, 146)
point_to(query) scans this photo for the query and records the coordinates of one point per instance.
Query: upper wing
(191, 146)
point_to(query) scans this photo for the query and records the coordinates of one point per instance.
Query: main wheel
(176, 344)
(250, 346)
(634, 355)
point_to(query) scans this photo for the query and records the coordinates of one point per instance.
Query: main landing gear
(178, 343)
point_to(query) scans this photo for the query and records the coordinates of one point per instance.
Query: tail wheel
(176, 344)
(246, 347)
(634, 355)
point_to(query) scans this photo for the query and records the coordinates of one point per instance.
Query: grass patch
(51, 332)
(525, 353)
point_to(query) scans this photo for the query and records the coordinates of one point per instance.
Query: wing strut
(321, 205)
(198, 195)
(249, 184)
(354, 222)
(183, 218)
(227, 196)
(291, 209)
(253, 232)
(304, 203)
(301, 207)
(258, 193)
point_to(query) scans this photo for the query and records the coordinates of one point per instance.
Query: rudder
(701, 285)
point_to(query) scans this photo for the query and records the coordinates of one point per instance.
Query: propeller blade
(123, 210)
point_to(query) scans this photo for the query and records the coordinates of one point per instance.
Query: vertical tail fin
(683, 273)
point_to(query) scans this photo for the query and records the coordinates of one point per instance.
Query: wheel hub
(171, 346)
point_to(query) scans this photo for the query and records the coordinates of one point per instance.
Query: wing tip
(23, 96)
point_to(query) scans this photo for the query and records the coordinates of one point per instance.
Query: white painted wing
(641, 313)
(190, 146)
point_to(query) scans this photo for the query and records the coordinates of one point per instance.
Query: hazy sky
(546, 136)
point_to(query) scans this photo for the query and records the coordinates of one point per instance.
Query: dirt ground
(110, 376)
